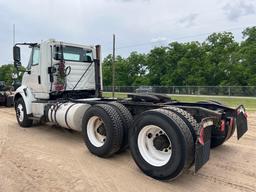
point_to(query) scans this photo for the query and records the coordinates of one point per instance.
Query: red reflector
(245, 114)
(231, 124)
(222, 126)
(201, 138)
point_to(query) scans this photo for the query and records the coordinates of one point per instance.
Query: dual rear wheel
(161, 142)
(105, 128)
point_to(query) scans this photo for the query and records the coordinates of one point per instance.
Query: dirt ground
(44, 158)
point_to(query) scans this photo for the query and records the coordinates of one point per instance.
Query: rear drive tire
(102, 130)
(21, 114)
(127, 121)
(161, 144)
(215, 142)
(187, 118)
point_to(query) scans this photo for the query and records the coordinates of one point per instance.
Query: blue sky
(139, 25)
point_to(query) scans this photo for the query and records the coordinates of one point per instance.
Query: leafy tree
(219, 60)
(107, 70)
(6, 72)
(247, 59)
(137, 69)
(157, 65)
(219, 49)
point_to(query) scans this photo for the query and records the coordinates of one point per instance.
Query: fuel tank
(68, 115)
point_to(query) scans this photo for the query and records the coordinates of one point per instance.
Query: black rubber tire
(179, 135)
(127, 122)
(113, 128)
(215, 142)
(217, 137)
(187, 118)
(26, 121)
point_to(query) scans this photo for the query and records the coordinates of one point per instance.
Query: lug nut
(150, 135)
(160, 132)
(166, 150)
(104, 140)
(157, 134)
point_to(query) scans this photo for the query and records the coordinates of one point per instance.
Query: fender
(27, 96)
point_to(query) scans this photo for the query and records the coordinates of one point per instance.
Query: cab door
(31, 77)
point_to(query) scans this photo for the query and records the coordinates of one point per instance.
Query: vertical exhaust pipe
(98, 91)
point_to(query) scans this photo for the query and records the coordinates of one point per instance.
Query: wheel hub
(20, 112)
(101, 130)
(161, 142)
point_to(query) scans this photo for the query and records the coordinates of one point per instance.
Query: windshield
(76, 54)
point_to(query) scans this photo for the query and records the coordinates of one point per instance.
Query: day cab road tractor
(63, 85)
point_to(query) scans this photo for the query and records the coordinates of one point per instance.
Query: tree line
(218, 61)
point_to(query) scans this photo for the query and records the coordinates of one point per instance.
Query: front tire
(21, 114)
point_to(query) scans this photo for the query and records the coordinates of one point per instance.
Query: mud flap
(241, 122)
(203, 143)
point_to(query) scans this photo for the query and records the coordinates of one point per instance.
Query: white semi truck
(63, 85)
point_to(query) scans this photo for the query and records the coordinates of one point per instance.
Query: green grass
(248, 102)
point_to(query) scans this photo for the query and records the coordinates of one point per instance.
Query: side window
(36, 56)
(88, 56)
(71, 57)
(76, 54)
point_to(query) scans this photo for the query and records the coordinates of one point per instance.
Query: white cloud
(238, 9)
(188, 20)
(158, 39)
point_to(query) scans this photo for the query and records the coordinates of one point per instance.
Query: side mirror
(16, 56)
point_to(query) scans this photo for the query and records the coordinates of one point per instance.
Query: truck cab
(56, 66)
(58, 70)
